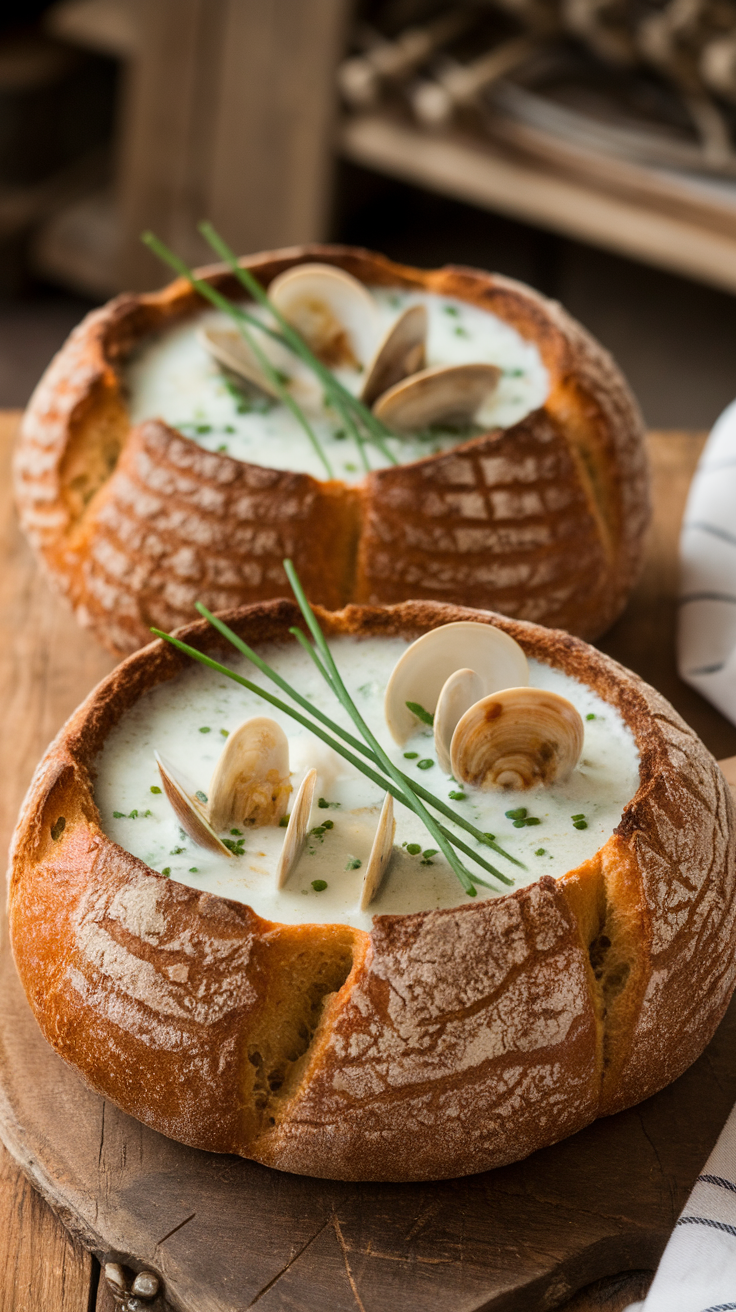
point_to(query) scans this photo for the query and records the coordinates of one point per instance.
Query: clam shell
(297, 828)
(444, 394)
(331, 310)
(421, 672)
(189, 812)
(458, 694)
(517, 738)
(400, 353)
(232, 351)
(250, 785)
(383, 846)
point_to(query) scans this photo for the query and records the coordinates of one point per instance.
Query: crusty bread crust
(543, 521)
(442, 1043)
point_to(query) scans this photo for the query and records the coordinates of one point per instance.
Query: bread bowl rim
(112, 698)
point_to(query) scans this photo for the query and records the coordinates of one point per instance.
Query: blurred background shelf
(507, 183)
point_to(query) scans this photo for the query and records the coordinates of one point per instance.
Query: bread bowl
(429, 1044)
(542, 519)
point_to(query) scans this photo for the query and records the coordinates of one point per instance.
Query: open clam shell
(188, 810)
(331, 310)
(250, 785)
(421, 672)
(233, 353)
(458, 694)
(400, 353)
(383, 846)
(297, 828)
(517, 738)
(449, 394)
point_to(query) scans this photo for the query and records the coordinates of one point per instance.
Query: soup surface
(173, 377)
(188, 719)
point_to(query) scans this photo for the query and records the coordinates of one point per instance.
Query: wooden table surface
(47, 666)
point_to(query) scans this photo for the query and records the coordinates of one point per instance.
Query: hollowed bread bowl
(543, 521)
(443, 1042)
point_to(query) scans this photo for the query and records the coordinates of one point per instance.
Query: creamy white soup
(173, 377)
(549, 830)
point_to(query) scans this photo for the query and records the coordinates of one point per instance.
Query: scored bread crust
(443, 1042)
(543, 521)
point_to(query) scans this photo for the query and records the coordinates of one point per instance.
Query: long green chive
(162, 251)
(386, 763)
(334, 743)
(486, 839)
(340, 396)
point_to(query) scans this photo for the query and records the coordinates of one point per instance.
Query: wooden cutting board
(224, 1234)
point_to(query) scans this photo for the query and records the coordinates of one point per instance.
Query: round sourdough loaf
(443, 1042)
(543, 521)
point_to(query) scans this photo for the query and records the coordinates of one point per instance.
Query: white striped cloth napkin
(697, 1272)
(706, 653)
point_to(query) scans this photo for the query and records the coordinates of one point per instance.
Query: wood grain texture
(526, 1237)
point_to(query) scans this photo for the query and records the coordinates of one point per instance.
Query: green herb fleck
(319, 885)
(194, 870)
(339, 434)
(426, 764)
(532, 820)
(283, 822)
(579, 816)
(225, 733)
(238, 832)
(519, 813)
(590, 716)
(430, 851)
(580, 824)
(410, 756)
(354, 863)
(490, 838)
(457, 797)
(230, 428)
(426, 717)
(235, 845)
(324, 805)
(350, 468)
(413, 849)
(177, 851)
(540, 851)
(461, 332)
(452, 310)
(118, 815)
(205, 729)
(222, 447)
(200, 796)
(155, 788)
(203, 428)
(166, 871)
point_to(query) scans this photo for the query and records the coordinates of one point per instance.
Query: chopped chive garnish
(417, 709)
(205, 729)
(410, 756)
(426, 764)
(155, 788)
(194, 870)
(118, 815)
